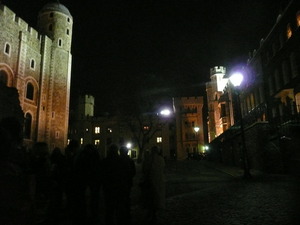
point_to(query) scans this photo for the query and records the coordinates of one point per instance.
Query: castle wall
(45, 63)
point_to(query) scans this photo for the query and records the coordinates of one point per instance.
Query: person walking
(153, 185)
(129, 172)
(115, 186)
(87, 172)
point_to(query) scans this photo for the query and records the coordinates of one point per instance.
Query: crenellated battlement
(192, 100)
(18, 23)
(217, 69)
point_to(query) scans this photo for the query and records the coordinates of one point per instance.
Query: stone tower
(37, 62)
(55, 21)
(214, 90)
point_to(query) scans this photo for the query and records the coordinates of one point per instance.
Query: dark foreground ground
(206, 193)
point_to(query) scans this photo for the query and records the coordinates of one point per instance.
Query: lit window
(86, 129)
(29, 91)
(109, 130)
(298, 18)
(68, 141)
(97, 142)
(7, 49)
(289, 31)
(81, 141)
(97, 130)
(159, 140)
(146, 127)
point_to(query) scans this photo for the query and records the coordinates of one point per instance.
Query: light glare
(236, 79)
(165, 112)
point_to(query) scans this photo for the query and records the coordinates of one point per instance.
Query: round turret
(55, 6)
(56, 21)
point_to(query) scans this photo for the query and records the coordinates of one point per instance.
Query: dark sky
(119, 44)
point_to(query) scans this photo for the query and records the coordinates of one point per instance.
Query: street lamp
(236, 79)
(196, 129)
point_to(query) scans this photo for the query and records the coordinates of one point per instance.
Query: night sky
(118, 45)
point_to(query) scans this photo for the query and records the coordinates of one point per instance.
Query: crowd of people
(39, 186)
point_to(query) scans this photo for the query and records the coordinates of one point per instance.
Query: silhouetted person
(154, 192)
(58, 175)
(129, 173)
(71, 153)
(88, 177)
(15, 203)
(43, 183)
(115, 186)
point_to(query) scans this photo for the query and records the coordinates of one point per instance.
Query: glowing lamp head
(236, 79)
(128, 145)
(165, 112)
(196, 129)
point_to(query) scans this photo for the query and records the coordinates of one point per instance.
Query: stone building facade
(269, 102)
(189, 126)
(37, 62)
(103, 130)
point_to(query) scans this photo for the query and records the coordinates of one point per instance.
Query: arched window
(27, 126)
(3, 77)
(29, 91)
(7, 49)
(289, 31)
(298, 18)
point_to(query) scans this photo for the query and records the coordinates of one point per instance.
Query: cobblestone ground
(199, 194)
(203, 193)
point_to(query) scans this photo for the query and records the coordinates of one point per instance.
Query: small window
(50, 27)
(7, 49)
(59, 42)
(68, 31)
(289, 31)
(68, 19)
(81, 141)
(51, 15)
(97, 142)
(298, 18)
(57, 134)
(97, 130)
(29, 91)
(32, 64)
(159, 140)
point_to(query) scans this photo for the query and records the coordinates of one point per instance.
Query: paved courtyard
(199, 192)
(206, 193)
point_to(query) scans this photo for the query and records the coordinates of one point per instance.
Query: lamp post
(236, 80)
(196, 129)
(164, 113)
